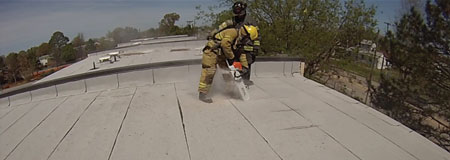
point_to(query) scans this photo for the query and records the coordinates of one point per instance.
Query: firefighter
(249, 48)
(219, 49)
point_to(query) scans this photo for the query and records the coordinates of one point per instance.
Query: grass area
(349, 65)
(358, 68)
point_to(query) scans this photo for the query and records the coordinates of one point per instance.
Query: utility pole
(369, 83)
(382, 64)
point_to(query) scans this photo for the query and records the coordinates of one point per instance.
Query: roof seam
(259, 133)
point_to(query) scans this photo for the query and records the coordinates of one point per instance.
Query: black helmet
(239, 8)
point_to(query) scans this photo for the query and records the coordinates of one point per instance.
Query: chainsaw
(235, 69)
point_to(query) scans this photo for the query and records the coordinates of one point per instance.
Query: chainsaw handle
(229, 62)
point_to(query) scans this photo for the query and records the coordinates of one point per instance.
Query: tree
(351, 23)
(2, 70)
(419, 52)
(33, 58)
(90, 46)
(167, 24)
(78, 45)
(68, 53)
(152, 32)
(406, 5)
(56, 43)
(121, 35)
(78, 40)
(24, 65)
(13, 66)
(28, 62)
(2, 62)
(105, 44)
(58, 40)
(44, 49)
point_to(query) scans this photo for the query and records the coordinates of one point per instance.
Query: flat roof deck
(142, 54)
(287, 118)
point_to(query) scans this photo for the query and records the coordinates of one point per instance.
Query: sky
(28, 23)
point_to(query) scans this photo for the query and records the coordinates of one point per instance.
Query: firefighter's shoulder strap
(225, 25)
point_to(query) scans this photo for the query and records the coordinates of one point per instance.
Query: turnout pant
(209, 67)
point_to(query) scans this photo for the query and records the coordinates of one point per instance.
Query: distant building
(44, 60)
(365, 55)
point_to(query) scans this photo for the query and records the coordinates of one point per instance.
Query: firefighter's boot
(203, 97)
(248, 82)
